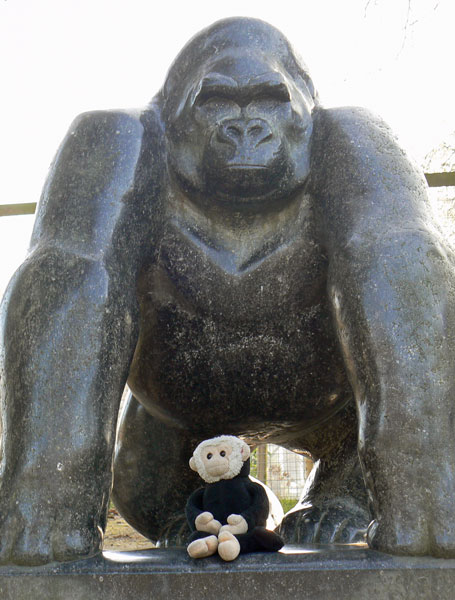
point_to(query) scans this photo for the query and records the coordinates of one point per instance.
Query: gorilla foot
(338, 521)
(417, 539)
(37, 531)
(415, 518)
(385, 538)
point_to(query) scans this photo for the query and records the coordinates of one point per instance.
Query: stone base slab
(297, 572)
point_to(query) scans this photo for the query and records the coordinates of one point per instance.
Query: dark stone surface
(306, 573)
(252, 264)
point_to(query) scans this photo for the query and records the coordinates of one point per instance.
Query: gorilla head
(237, 107)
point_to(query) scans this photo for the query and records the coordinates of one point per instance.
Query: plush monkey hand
(205, 522)
(236, 525)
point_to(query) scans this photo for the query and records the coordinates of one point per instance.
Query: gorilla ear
(193, 464)
(245, 452)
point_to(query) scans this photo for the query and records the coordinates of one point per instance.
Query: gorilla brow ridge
(228, 87)
(226, 35)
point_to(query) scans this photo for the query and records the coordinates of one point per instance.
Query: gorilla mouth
(244, 166)
(244, 180)
(245, 176)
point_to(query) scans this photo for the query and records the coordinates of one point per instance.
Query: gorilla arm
(69, 331)
(391, 285)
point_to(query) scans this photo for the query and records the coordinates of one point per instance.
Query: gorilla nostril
(234, 131)
(254, 130)
(238, 132)
(266, 138)
(230, 133)
(259, 132)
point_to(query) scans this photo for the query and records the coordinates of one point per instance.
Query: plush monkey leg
(228, 546)
(201, 547)
(264, 540)
(259, 539)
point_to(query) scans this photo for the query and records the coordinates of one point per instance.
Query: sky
(62, 57)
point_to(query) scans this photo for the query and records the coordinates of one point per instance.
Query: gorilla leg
(334, 504)
(152, 479)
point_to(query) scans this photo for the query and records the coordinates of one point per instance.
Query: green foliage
(288, 503)
(254, 463)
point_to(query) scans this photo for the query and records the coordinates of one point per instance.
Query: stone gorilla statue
(252, 264)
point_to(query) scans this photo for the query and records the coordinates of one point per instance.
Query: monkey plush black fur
(234, 509)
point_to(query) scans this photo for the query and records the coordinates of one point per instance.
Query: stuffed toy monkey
(229, 514)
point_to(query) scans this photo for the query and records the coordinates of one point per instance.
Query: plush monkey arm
(193, 508)
(259, 508)
(199, 519)
(236, 525)
(206, 522)
(256, 514)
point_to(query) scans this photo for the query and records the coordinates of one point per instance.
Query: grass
(288, 503)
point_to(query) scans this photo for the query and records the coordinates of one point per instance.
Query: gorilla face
(241, 132)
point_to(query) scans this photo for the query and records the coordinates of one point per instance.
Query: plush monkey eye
(222, 453)
(209, 455)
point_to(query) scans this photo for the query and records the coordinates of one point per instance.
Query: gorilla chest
(257, 284)
(237, 329)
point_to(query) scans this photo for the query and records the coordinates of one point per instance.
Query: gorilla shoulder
(355, 152)
(95, 167)
(101, 128)
(353, 134)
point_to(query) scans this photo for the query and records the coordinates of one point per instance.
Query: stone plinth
(316, 573)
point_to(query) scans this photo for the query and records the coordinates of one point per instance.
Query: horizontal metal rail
(440, 179)
(10, 210)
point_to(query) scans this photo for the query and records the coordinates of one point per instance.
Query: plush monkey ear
(245, 452)
(193, 464)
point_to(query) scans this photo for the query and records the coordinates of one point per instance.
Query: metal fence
(281, 470)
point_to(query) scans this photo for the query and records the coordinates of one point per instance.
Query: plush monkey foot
(203, 547)
(228, 546)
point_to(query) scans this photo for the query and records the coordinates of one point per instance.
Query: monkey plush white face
(219, 458)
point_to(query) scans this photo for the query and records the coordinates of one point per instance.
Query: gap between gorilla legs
(152, 480)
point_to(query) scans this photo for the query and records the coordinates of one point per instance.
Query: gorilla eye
(268, 102)
(215, 103)
(222, 453)
(212, 100)
(220, 101)
(209, 455)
